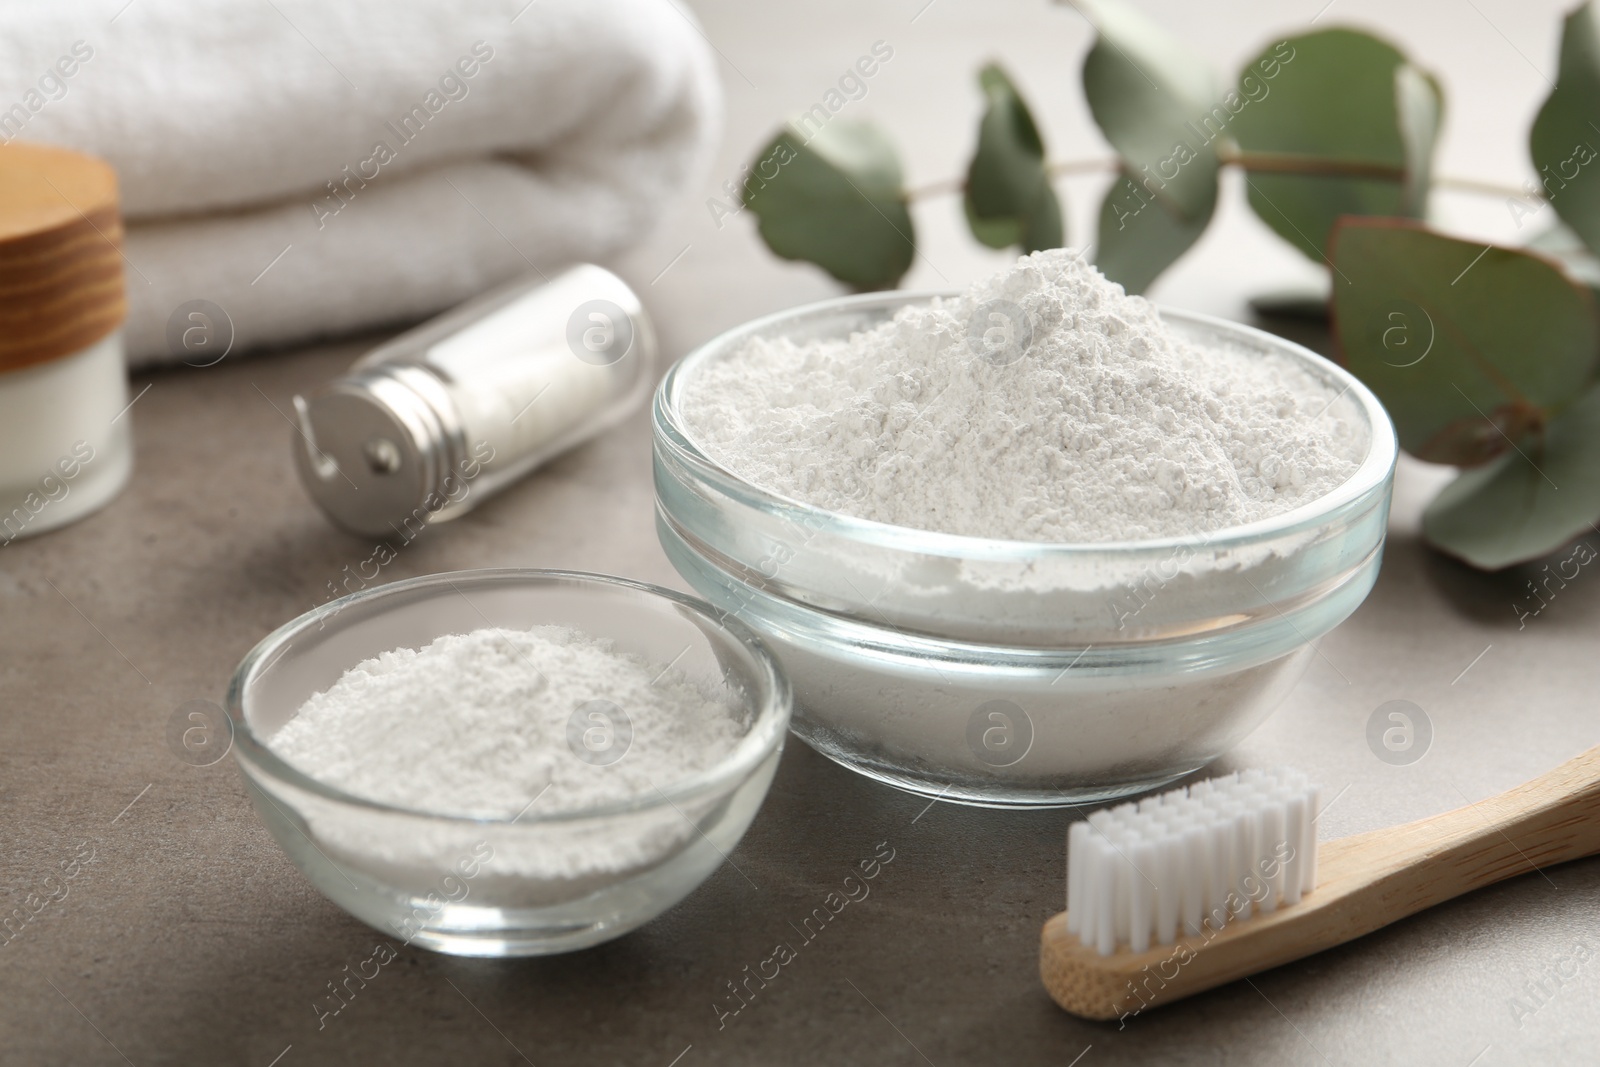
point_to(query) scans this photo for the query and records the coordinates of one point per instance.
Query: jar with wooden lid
(65, 446)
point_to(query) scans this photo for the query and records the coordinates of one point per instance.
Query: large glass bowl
(1021, 673)
(544, 881)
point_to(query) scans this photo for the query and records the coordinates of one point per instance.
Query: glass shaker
(428, 425)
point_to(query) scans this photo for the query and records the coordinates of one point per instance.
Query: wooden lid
(61, 286)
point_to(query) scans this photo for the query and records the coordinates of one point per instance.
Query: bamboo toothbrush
(1199, 887)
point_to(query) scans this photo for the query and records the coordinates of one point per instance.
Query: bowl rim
(669, 432)
(772, 704)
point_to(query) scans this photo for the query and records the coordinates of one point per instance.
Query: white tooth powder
(1106, 427)
(478, 725)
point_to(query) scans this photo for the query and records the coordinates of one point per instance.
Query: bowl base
(997, 794)
(528, 941)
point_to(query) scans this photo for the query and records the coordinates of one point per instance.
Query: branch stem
(1257, 162)
(1472, 185)
(1067, 167)
(1293, 163)
(943, 188)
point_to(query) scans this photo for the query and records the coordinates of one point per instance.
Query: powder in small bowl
(1043, 404)
(481, 725)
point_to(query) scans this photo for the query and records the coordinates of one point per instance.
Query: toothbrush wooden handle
(1551, 819)
(1364, 882)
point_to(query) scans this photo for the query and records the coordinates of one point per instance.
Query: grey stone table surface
(189, 938)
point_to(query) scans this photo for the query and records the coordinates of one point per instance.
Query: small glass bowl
(534, 884)
(1012, 673)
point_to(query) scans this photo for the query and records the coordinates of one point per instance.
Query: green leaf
(1567, 130)
(835, 199)
(1146, 92)
(1008, 198)
(1528, 503)
(1140, 236)
(1352, 101)
(995, 233)
(1469, 348)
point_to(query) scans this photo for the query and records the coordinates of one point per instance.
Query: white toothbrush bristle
(1191, 859)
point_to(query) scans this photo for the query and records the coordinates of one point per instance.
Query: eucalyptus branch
(1065, 168)
(1257, 162)
(1294, 163)
(1472, 185)
(948, 187)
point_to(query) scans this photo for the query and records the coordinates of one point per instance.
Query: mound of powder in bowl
(1042, 404)
(480, 725)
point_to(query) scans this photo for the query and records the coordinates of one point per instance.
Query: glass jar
(65, 446)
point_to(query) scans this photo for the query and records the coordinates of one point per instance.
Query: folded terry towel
(314, 168)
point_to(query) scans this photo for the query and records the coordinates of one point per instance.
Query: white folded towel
(315, 167)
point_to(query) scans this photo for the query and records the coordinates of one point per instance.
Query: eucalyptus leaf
(1529, 502)
(1139, 237)
(1566, 132)
(1008, 198)
(835, 199)
(1147, 92)
(1348, 102)
(994, 233)
(1469, 348)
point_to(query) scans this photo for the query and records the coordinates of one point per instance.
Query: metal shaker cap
(375, 449)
